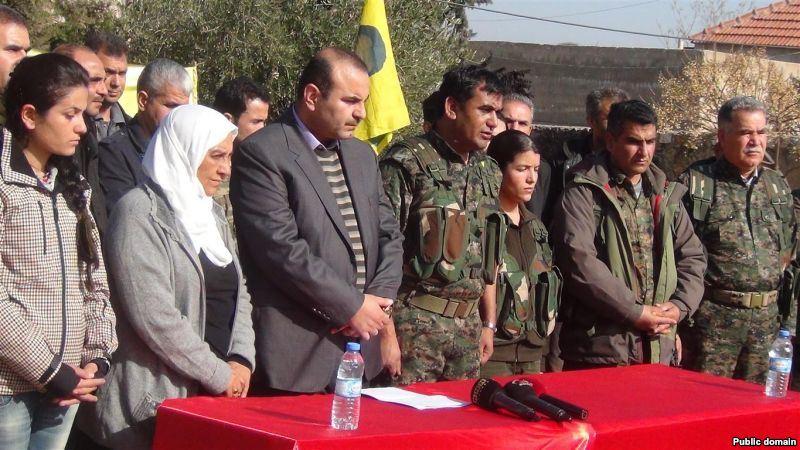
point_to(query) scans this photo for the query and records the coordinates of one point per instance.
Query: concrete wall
(791, 55)
(562, 74)
(791, 69)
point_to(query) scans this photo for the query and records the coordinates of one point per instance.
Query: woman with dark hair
(184, 312)
(56, 320)
(528, 285)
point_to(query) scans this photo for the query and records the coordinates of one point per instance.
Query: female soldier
(528, 286)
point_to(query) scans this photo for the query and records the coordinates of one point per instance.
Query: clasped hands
(658, 319)
(370, 319)
(83, 392)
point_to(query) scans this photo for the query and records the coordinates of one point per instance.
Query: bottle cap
(784, 333)
(353, 347)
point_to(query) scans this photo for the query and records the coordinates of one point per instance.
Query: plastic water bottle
(780, 364)
(347, 398)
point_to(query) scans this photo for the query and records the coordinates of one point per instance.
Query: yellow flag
(386, 107)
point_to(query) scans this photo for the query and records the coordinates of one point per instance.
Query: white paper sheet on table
(412, 399)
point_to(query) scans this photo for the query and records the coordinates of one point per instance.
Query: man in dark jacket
(598, 104)
(162, 86)
(632, 265)
(86, 152)
(113, 53)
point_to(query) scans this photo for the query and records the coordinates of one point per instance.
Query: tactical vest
(442, 226)
(528, 298)
(702, 187)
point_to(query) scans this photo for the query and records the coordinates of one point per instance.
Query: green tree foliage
(268, 40)
(55, 21)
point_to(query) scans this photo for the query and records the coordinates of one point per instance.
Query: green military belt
(447, 308)
(744, 299)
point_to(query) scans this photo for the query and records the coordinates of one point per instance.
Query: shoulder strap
(779, 196)
(777, 189)
(429, 159)
(701, 189)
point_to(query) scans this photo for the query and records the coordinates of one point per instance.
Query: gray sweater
(159, 296)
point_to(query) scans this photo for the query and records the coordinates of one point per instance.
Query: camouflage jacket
(406, 184)
(747, 231)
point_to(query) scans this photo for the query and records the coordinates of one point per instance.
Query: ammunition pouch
(440, 243)
(494, 238)
(442, 238)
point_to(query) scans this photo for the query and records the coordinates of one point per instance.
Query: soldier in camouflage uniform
(528, 285)
(246, 104)
(742, 212)
(443, 189)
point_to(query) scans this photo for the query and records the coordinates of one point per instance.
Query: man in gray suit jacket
(321, 249)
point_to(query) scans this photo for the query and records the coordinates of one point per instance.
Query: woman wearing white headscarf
(183, 311)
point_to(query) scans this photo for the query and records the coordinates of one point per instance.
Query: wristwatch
(490, 325)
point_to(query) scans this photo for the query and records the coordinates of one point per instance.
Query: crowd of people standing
(129, 274)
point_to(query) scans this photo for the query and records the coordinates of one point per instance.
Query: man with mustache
(86, 152)
(443, 189)
(742, 212)
(632, 265)
(113, 53)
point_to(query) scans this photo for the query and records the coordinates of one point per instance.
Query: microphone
(489, 395)
(523, 392)
(574, 411)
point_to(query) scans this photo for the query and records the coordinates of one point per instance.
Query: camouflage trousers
(732, 342)
(434, 347)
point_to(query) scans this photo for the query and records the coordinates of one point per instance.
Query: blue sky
(656, 16)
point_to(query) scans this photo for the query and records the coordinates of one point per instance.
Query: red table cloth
(641, 407)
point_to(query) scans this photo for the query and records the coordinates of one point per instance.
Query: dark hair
(319, 69)
(11, 15)
(108, 43)
(597, 96)
(432, 107)
(41, 81)
(233, 96)
(635, 111)
(461, 81)
(507, 145)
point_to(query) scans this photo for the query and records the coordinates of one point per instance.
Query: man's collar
(725, 169)
(617, 178)
(117, 115)
(311, 141)
(444, 148)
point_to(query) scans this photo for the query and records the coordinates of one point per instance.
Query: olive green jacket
(592, 246)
